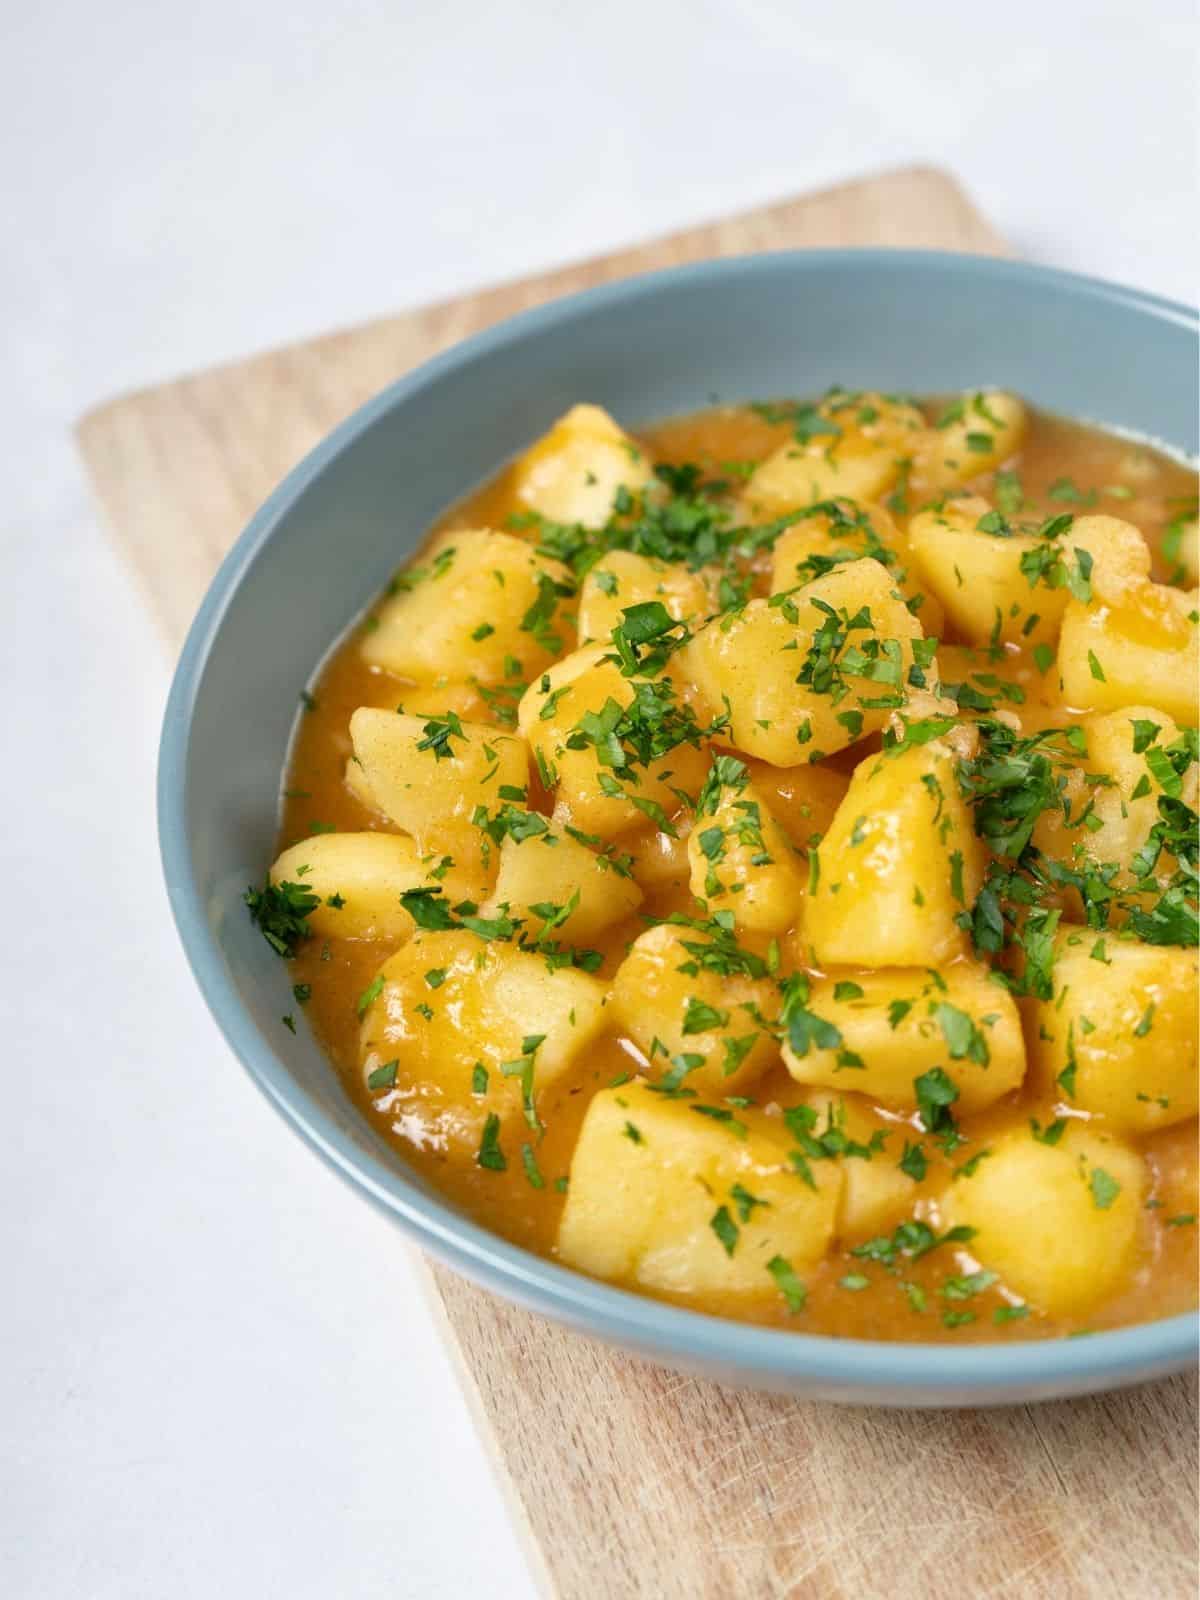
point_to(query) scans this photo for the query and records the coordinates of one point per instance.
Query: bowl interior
(353, 511)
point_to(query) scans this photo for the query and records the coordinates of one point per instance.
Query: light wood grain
(637, 1481)
(631, 1481)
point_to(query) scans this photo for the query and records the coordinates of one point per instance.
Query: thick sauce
(1061, 466)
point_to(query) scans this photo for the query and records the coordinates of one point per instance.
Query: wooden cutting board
(629, 1480)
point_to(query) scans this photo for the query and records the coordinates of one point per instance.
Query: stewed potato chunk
(999, 584)
(848, 530)
(973, 435)
(559, 886)
(1055, 1214)
(882, 1031)
(575, 472)
(482, 601)
(1112, 778)
(622, 579)
(740, 858)
(431, 777)
(803, 799)
(668, 1197)
(457, 1031)
(1117, 1035)
(698, 1005)
(358, 879)
(615, 750)
(877, 1191)
(898, 866)
(810, 673)
(1143, 651)
(850, 446)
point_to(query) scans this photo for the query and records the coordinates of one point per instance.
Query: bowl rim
(870, 1369)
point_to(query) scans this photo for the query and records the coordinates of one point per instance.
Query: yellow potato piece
(899, 863)
(622, 579)
(1058, 1222)
(448, 1002)
(845, 530)
(364, 874)
(876, 1192)
(1118, 1038)
(977, 434)
(1120, 555)
(988, 594)
(551, 869)
(479, 602)
(751, 660)
(1121, 800)
(574, 472)
(851, 447)
(905, 1022)
(1142, 652)
(659, 860)
(803, 799)
(428, 776)
(671, 1002)
(666, 1198)
(549, 715)
(741, 859)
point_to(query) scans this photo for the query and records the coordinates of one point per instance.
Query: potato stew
(754, 863)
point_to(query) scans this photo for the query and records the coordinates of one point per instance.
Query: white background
(217, 1376)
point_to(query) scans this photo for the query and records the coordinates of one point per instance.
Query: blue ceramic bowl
(331, 534)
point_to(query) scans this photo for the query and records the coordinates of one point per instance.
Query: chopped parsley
(281, 911)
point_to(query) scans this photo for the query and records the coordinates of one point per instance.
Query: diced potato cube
(894, 1026)
(847, 447)
(1118, 1038)
(755, 659)
(360, 878)
(1142, 652)
(876, 1191)
(976, 434)
(803, 799)
(741, 859)
(1120, 555)
(622, 579)
(899, 863)
(481, 601)
(573, 473)
(978, 578)
(679, 994)
(449, 1003)
(845, 530)
(660, 860)
(1113, 792)
(592, 794)
(1012, 586)
(672, 1200)
(542, 873)
(1058, 1222)
(429, 776)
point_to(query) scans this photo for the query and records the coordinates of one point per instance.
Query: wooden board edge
(95, 418)
(485, 1430)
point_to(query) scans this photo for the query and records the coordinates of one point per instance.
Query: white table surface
(217, 1375)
